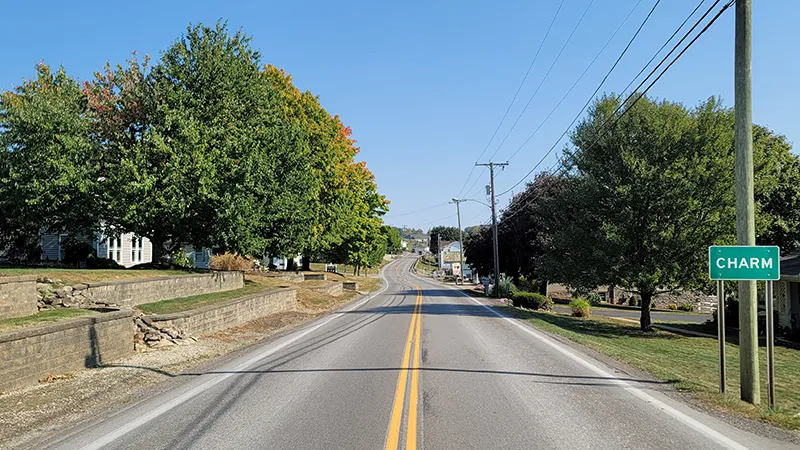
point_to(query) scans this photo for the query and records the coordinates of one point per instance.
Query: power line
(614, 66)
(519, 88)
(418, 211)
(605, 122)
(569, 38)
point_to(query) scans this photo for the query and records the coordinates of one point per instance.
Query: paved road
(347, 381)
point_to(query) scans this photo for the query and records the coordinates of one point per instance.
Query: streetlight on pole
(458, 201)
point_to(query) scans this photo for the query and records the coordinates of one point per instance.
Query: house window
(115, 249)
(136, 249)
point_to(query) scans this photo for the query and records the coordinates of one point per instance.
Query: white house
(449, 253)
(127, 249)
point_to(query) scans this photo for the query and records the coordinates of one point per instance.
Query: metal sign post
(770, 345)
(721, 332)
(745, 262)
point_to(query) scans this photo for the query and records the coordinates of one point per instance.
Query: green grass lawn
(424, 267)
(198, 301)
(74, 276)
(690, 363)
(47, 316)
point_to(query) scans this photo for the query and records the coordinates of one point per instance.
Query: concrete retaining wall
(128, 293)
(334, 289)
(31, 354)
(18, 296)
(231, 313)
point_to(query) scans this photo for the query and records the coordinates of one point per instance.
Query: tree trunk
(543, 287)
(306, 261)
(644, 320)
(290, 264)
(158, 250)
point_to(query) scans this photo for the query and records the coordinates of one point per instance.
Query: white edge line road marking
(704, 429)
(218, 378)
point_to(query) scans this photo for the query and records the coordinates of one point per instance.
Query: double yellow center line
(412, 342)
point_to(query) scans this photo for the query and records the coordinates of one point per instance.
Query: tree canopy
(642, 197)
(208, 146)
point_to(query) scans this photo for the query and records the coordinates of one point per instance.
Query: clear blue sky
(424, 84)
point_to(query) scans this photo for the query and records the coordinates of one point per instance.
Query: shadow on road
(434, 309)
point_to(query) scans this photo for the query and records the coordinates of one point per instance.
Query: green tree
(444, 234)
(650, 191)
(478, 249)
(210, 157)
(393, 241)
(48, 166)
(522, 230)
(647, 196)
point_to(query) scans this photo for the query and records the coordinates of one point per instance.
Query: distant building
(126, 250)
(449, 253)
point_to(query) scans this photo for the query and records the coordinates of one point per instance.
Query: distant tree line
(640, 199)
(208, 146)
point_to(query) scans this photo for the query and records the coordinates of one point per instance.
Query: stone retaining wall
(315, 276)
(350, 285)
(128, 293)
(18, 296)
(334, 289)
(231, 313)
(31, 354)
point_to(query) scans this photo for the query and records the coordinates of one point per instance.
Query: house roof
(452, 244)
(790, 266)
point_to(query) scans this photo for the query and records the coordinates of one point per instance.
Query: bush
(230, 261)
(633, 301)
(76, 252)
(580, 307)
(595, 299)
(182, 259)
(102, 263)
(672, 306)
(686, 307)
(532, 300)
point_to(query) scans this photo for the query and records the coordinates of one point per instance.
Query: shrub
(580, 307)
(532, 300)
(595, 299)
(182, 259)
(686, 307)
(672, 306)
(102, 263)
(76, 252)
(230, 261)
(633, 301)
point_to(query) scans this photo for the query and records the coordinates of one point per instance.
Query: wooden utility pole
(745, 208)
(492, 165)
(458, 201)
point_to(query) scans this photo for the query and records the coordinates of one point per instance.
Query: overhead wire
(602, 127)
(519, 88)
(550, 150)
(587, 69)
(550, 69)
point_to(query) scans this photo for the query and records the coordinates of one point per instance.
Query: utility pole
(745, 209)
(492, 165)
(457, 201)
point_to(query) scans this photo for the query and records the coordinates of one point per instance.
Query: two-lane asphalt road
(418, 365)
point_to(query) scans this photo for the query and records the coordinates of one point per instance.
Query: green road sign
(743, 262)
